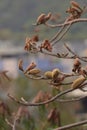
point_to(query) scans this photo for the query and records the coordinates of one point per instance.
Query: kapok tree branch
(72, 52)
(41, 103)
(62, 34)
(71, 100)
(71, 125)
(57, 34)
(67, 23)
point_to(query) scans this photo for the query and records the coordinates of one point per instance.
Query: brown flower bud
(82, 71)
(48, 16)
(48, 74)
(76, 83)
(77, 62)
(75, 4)
(34, 71)
(20, 65)
(76, 65)
(31, 66)
(27, 46)
(35, 38)
(41, 19)
(46, 45)
(76, 10)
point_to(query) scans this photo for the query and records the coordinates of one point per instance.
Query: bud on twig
(76, 65)
(76, 84)
(55, 73)
(43, 18)
(48, 74)
(75, 4)
(34, 71)
(30, 67)
(35, 38)
(46, 45)
(27, 46)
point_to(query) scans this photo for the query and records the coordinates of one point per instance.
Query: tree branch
(41, 103)
(71, 125)
(67, 23)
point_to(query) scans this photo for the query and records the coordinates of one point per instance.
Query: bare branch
(67, 23)
(71, 100)
(64, 32)
(41, 103)
(75, 55)
(12, 125)
(8, 123)
(72, 125)
(57, 34)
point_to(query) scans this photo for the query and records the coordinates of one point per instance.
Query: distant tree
(56, 78)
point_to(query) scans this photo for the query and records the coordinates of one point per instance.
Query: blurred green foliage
(38, 119)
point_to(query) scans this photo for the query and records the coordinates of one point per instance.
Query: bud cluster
(30, 70)
(55, 76)
(46, 45)
(30, 43)
(78, 69)
(75, 11)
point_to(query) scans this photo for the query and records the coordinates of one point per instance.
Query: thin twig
(72, 52)
(14, 124)
(71, 125)
(56, 84)
(41, 103)
(57, 34)
(62, 57)
(82, 87)
(42, 77)
(65, 31)
(67, 23)
(10, 124)
(70, 100)
(83, 90)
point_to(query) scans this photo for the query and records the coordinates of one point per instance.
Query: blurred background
(16, 23)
